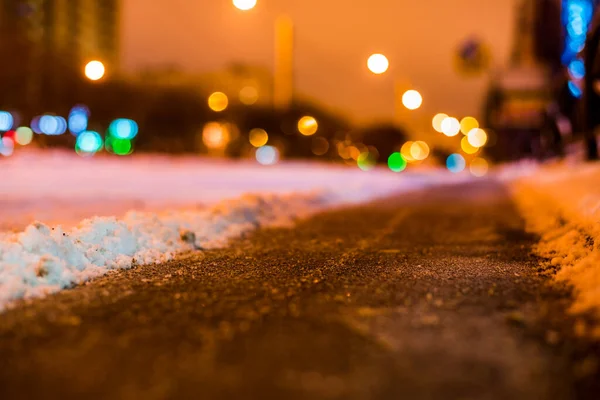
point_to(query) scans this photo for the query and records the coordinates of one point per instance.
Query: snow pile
(44, 258)
(562, 204)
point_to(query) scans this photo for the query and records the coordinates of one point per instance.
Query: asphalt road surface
(431, 295)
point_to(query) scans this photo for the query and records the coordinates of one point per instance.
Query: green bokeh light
(120, 147)
(396, 162)
(366, 161)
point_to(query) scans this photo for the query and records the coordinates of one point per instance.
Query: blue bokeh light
(88, 142)
(456, 163)
(123, 128)
(6, 121)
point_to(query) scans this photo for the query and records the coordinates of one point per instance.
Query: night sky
(334, 40)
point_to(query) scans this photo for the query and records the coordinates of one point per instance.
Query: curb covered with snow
(561, 203)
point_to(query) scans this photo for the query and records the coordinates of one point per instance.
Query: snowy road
(433, 294)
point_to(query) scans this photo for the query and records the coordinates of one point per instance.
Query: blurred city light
(248, 95)
(267, 155)
(6, 121)
(118, 146)
(215, 136)
(354, 152)
(308, 126)
(456, 163)
(477, 137)
(575, 90)
(95, 70)
(406, 151)
(450, 126)
(412, 99)
(577, 69)
(258, 137)
(467, 147)
(366, 161)
(320, 146)
(419, 150)
(244, 5)
(396, 162)
(7, 146)
(218, 101)
(467, 124)
(576, 18)
(123, 128)
(88, 143)
(378, 63)
(23, 135)
(50, 125)
(78, 121)
(437, 120)
(479, 167)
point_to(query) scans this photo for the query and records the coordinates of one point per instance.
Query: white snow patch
(45, 258)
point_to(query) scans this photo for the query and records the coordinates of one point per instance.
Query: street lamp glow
(378, 64)
(412, 99)
(95, 70)
(308, 126)
(218, 101)
(244, 5)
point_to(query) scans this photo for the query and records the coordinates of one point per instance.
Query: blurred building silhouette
(45, 45)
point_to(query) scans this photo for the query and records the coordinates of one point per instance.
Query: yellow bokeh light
(248, 95)
(412, 99)
(467, 124)
(437, 121)
(308, 126)
(215, 136)
(218, 101)
(23, 135)
(354, 152)
(94, 70)
(378, 63)
(419, 150)
(450, 126)
(477, 137)
(467, 147)
(479, 167)
(244, 5)
(258, 137)
(406, 151)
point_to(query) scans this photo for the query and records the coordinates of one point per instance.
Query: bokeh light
(95, 70)
(218, 101)
(378, 63)
(437, 120)
(51, 125)
(267, 155)
(412, 100)
(23, 135)
(406, 151)
(467, 147)
(396, 162)
(6, 121)
(354, 152)
(467, 124)
(248, 95)
(78, 121)
(7, 146)
(123, 128)
(258, 137)
(308, 126)
(419, 150)
(477, 137)
(320, 146)
(456, 163)
(450, 126)
(366, 161)
(118, 146)
(479, 167)
(215, 136)
(88, 143)
(244, 5)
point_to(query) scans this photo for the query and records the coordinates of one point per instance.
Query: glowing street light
(412, 99)
(244, 5)
(95, 70)
(378, 64)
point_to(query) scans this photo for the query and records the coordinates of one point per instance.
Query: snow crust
(561, 203)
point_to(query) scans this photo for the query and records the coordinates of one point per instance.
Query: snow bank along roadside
(561, 203)
(43, 259)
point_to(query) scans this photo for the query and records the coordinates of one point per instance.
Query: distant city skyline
(333, 42)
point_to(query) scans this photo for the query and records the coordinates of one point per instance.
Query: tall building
(44, 42)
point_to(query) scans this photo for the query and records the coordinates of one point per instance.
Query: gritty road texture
(432, 295)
